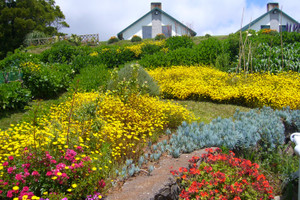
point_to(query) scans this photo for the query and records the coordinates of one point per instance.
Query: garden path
(145, 187)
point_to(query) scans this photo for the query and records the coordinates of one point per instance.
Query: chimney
(155, 5)
(270, 6)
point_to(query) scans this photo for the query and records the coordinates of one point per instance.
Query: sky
(215, 17)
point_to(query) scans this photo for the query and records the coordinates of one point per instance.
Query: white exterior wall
(136, 29)
(177, 29)
(266, 21)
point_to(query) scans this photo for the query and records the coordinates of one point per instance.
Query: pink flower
(101, 183)
(19, 177)
(5, 163)
(53, 161)
(49, 173)
(25, 189)
(10, 170)
(10, 193)
(10, 157)
(35, 173)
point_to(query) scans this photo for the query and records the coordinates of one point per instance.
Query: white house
(155, 22)
(274, 19)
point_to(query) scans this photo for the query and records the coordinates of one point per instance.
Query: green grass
(207, 111)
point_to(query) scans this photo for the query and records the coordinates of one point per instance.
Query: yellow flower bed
(91, 120)
(137, 49)
(254, 90)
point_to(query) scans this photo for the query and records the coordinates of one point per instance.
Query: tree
(20, 17)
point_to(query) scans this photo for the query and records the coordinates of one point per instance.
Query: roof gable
(267, 13)
(193, 33)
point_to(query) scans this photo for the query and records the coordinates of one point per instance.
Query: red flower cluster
(222, 176)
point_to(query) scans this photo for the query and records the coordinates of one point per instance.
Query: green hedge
(13, 96)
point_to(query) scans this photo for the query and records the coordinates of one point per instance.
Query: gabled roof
(259, 18)
(193, 33)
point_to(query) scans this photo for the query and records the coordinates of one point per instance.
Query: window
(167, 30)
(282, 28)
(265, 27)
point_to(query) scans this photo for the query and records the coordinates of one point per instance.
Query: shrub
(136, 38)
(30, 38)
(90, 78)
(160, 36)
(150, 49)
(46, 81)
(133, 79)
(208, 50)
(274, 59)
(60, 52)
(176, 42)
(13, 96)
(112, 39)
(222, 176)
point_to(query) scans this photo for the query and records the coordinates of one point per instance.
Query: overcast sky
(216, 17)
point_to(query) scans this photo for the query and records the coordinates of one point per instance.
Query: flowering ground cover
(253, 90)
(72, 151)
(222, 176)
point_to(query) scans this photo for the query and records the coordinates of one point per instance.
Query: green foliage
(114, 56)
(132, 79)
(223, 62)
(275, 59)
(48, 80)
(60, 52)
(29, 38)
(160, 36)
(150, 49)
(13, 96)
(91, 78)
(136, 38)
(179, 41)
(18, 18)
(208, 50)
(113, 39)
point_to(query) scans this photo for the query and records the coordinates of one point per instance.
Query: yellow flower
(69, 190)
(15, 188)
(54, 177)
(94, 168)
(74, 185)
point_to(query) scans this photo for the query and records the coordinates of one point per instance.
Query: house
(274, 19)
(156, 21)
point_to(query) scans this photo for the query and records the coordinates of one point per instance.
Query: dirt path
(145, 187)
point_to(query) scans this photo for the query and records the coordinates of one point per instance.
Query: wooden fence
(88, 38)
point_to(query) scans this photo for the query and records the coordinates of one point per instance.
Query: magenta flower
(10, 157)
(10, 194)
(25, 189)
(19, 177)
(35, 173)
(10, 170)
(49, 173)
(5, 164)
(53, 161)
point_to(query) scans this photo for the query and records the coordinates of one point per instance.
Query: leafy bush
(113, 39)
(29, 38)
(60, 52)
(115, 56)
(222, 176)
(160, 36)
(91, 78)
(208, 50)
(150, 49)
(133, 79)
(176, 42)
(46, 81)
(136, 38)
(13, 96)
(275, 59)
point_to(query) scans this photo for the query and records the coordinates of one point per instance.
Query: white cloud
(216, 17)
